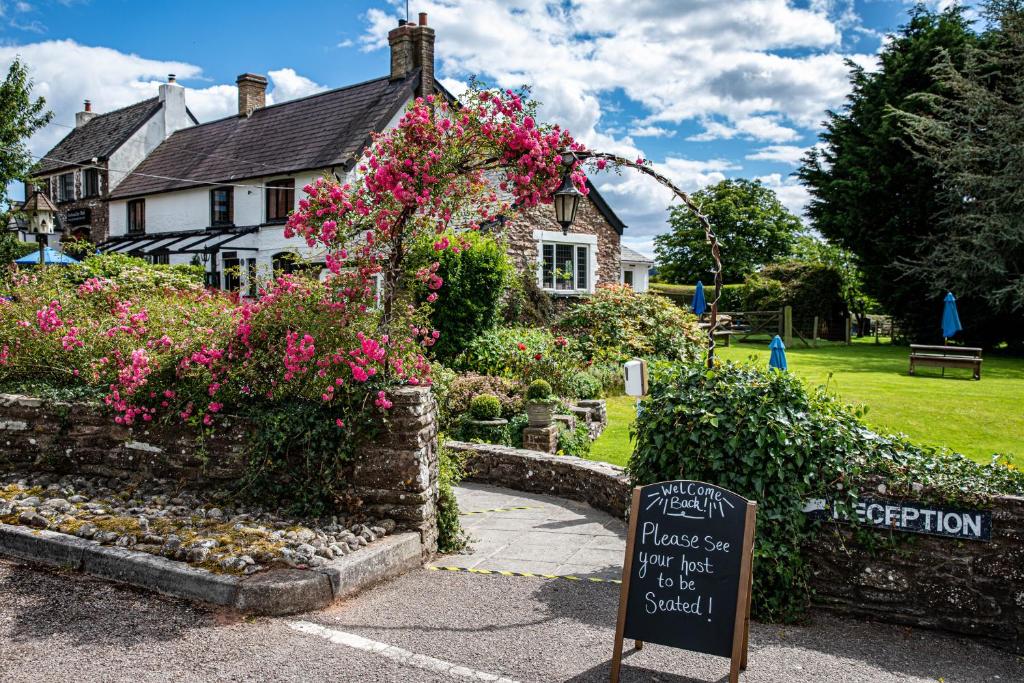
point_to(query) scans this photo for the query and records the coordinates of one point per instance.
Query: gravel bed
(206, 529)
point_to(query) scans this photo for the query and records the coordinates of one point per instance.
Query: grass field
(976, 418)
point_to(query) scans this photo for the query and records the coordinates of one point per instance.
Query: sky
(705, 89)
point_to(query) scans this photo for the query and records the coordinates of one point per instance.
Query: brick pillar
(395, 476)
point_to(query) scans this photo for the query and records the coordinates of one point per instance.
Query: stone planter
(539, 414)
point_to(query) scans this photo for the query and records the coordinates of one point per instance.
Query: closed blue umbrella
(950, 318)
(778, 357)
(50, 257)
(699, 305)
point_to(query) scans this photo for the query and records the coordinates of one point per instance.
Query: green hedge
(763, 435)
(682, 295)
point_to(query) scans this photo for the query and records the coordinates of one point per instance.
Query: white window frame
(543, 237)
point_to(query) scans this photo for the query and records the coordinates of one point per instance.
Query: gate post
(787, 326)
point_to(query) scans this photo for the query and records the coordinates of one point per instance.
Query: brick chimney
(85, 116)
(252, 93)
(412, 46)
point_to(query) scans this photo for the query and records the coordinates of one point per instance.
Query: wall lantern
(567, 201)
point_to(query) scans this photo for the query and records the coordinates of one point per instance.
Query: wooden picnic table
(719, 333)
(946, 357)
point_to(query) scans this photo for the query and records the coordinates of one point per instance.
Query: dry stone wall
(393, 477)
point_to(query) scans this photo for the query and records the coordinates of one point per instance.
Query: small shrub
(617, 324)
(450, 535)
(575, 442)
(485, 407)
(539, 390)
(516, 425)
(525, 302)
(583, 385)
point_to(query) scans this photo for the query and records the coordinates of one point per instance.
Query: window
(232, 271)
(137, 216)
(90, 182)
(160, 258)
(66, 187)
(280, 199)
(254, 285)
(627, 277)
(222, 200)
(565, 267)
(285, 263)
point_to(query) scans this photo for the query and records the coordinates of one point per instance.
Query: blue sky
(706, 89)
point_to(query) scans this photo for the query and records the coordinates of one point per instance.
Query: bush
(539, 390)
(485, 407)
(583, 385)
(762, 435)
(575, 442)
(617, 324)
(525, 302)
(812, 289)
(450, 535)
(475, 277)
(460, 390)
(522, 354)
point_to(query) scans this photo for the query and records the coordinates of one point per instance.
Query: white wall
(641, 275)
(171, 117)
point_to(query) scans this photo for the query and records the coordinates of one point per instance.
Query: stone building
(83, 169)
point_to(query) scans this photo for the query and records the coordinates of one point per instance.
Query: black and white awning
(182, 242)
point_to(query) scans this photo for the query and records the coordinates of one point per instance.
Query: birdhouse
(40, 213)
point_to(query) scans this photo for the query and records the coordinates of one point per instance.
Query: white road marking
(396, 654)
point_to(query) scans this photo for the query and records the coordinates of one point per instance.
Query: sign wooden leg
(616, 660)
(746, 625)
(638, 644)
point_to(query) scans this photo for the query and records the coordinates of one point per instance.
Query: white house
(635, 269)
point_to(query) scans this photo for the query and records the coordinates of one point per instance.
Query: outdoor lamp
(567, 201)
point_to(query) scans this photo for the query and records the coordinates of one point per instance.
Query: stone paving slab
(552, 536)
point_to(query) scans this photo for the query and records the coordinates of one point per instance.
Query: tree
(20, 117)
(809, 249)
(868, 193)
(752, 224)
(969, 135)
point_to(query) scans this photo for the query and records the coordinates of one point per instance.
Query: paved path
(437, 626)
(523, 532)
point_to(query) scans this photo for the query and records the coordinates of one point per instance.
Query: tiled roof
(604, 209)
(627, 254)
(320, 131)
(98, 138)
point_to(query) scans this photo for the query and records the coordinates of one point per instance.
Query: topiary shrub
(583, 385)
(539, 390)
(485, 407)
(475, 276)
(762, 435)
(617, 324)
(459, 390)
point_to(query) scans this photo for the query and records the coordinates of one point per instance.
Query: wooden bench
(719, 333)
(946, 357)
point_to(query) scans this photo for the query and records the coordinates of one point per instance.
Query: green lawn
(974, 418)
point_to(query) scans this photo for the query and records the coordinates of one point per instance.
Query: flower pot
(539, 414)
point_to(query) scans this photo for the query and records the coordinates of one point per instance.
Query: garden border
(271, 593)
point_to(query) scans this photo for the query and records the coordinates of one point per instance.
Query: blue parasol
(50, 257)
(778, 357)
(699, 305)
(950, 318)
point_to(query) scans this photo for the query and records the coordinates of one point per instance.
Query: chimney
(412, 47)
(252, 93)
(85, 116)
(172, 106)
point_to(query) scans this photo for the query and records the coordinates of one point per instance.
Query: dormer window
(222, 206)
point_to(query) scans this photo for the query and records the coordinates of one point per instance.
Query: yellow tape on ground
(481, 512)
(505, 572)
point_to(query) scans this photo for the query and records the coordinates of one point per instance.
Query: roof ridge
(121, 109)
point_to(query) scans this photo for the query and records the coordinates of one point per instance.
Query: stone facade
(522, 246)
(544, 439)
(393, 477)
(968, 587)
(97, 228)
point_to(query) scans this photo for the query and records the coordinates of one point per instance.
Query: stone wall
(522, 247)
(598, 484)
(396, 476)
(967, 587)
(970, 587)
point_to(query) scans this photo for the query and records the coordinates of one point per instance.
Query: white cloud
(652, 132)
(786, 154)
(67, 72)
(348, 42)
(790, 192)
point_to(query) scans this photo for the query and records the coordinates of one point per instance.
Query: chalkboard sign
(687, 572)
